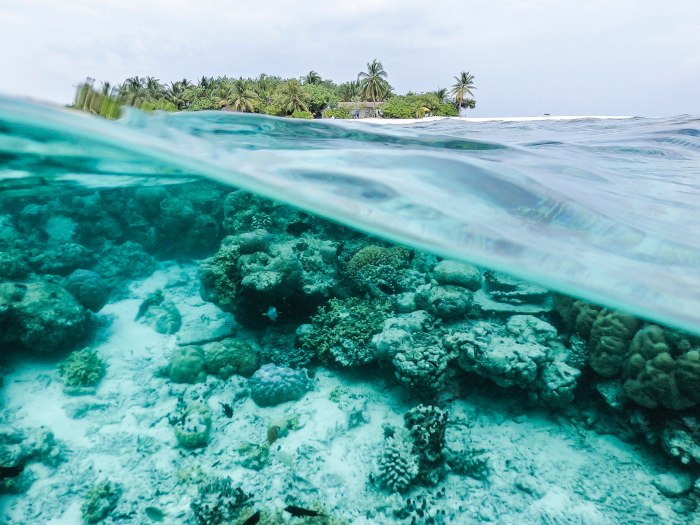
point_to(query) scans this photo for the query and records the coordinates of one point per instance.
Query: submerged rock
(88, 288)
(43, 317)
(458, 274)
(525, 352)
(674, 484)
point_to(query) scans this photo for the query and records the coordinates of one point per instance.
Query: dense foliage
(309, 96)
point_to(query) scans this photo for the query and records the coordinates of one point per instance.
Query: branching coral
(82, 368)
(341, 331)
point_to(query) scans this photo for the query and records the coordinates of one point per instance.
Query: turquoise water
(227, 319)
(604, 210)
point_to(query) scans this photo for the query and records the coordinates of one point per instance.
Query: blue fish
(271, 313)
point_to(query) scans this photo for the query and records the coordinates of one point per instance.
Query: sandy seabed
(545, 468)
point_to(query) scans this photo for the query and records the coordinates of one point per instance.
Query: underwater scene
(219, 319)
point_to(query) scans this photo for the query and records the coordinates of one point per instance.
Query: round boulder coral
(272, 385)
(88, 288)
(186, 365)
(231, 357)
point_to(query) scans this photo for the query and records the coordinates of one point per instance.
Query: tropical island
(311, 96)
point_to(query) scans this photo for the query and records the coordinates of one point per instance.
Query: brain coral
(658, 373)
(611, 334)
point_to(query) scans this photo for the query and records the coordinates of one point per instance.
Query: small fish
(228, 409)
(271, 313)
(253, 519)
(299, 511)
(155, 513)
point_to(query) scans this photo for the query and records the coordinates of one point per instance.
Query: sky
(528, 57)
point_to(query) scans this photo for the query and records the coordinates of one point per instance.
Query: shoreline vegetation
(311, 96)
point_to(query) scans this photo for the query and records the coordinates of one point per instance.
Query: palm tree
(312, 78)
(349, 91)
(176, 93)
(373, 83)
(292, 97)
(463, 85)
(441, 94)
(236, 95)
(134, 90)
(153, 87)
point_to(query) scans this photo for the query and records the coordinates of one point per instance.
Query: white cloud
(528, 56)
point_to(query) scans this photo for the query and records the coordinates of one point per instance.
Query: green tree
(463, 85)
(441, 94)
(237, 95)
(312, 78)
(349, 91)
(292, 97)
(319, 97)
(154, 89)
(374, 86)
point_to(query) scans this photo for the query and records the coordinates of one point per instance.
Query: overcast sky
(529, 57)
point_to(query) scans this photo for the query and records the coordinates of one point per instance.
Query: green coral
(341, 331)
(231, 356)
(658, 372)
(99, 501)
(82, 368)
(377, 269)
(186, 365)
(610, 337)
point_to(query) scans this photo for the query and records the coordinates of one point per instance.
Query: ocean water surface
(219, 318)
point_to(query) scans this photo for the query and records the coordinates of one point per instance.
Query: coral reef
(231, 356)
(659, 373)
(186, 365)
(376, 269)
(99, 501)
(426, 425)
(341, 331)
(88, 288)
(82, 370)
(680, 439)
(20, 448)
(525, 352)
(218, 502)
(447, 302)
(271, 385)
(610, 337)
(193, 425)
(42, 316)
(397, 466)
